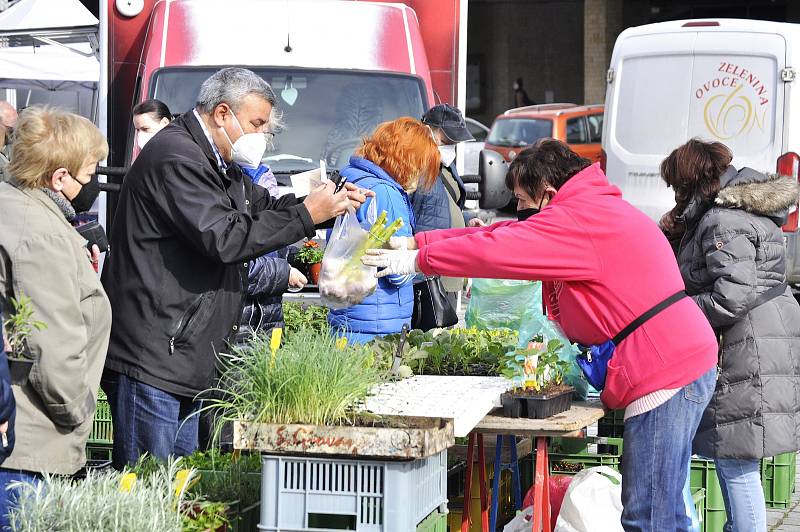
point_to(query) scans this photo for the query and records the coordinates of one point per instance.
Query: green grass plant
(313, 380)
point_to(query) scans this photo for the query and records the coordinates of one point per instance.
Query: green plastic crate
(777, 478)
(99, 452)
(572, 463)
(102, 430)
(704, 476)
(435, 522)
(612, 425)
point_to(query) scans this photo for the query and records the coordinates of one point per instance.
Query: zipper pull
(172, 345)
(5, 439)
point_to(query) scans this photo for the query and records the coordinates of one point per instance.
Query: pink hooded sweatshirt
(603, 263)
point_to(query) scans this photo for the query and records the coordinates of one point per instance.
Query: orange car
(580, 126)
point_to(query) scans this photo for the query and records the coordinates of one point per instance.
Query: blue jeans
(149, 420)
(740, 481)
(658, 445)
(8, 498)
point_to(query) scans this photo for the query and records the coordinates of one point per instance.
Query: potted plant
(226, 487)
(538, 376)
(311, 255)
(105, 500)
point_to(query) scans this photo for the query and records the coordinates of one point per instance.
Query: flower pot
(537, 406)
(313, 272)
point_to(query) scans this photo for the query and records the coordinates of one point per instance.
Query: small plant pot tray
(536, 406)
(397, 437)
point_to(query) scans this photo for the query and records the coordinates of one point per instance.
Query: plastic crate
(303, 494)
(612, 425)
(704, 476)
(436, 522)
(102, 429)
(98, 453)
(777, 478)
(590, 456)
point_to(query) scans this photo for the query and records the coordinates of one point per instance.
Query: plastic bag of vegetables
(343, 280)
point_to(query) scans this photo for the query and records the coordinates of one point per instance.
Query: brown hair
(695, 168)
(548, 162)
(47, 139)
(405, 149)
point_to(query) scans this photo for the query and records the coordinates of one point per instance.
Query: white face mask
(143, 138)
(249, 148)
(448, 153)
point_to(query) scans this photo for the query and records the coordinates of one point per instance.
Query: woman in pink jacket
(603, 265)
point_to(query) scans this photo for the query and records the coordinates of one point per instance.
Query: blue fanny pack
(593, 360)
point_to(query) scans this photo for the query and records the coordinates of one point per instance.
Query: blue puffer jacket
(390, 307)
(432, 207)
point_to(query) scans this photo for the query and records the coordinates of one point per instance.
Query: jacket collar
(589, 181)
(376, 171)
(190, 122)
(40, 196)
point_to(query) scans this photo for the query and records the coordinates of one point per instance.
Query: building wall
(538, 40)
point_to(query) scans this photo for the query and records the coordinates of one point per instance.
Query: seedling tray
(397, 437)
(536, 406)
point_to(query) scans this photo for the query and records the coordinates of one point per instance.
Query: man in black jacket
(187, 225)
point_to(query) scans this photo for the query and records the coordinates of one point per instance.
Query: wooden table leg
(482, 477)
(541, 489)
(466, 520)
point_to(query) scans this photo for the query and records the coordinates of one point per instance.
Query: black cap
(449, 120)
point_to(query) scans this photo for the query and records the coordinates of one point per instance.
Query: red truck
(339, 67)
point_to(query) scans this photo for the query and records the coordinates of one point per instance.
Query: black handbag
(432, 309)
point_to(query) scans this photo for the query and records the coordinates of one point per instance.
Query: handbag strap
(641, 320)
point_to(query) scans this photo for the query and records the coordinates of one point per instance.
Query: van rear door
(713, 84)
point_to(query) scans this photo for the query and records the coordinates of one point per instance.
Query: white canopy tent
(50, 45)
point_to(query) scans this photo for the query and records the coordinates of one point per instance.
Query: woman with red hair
(398, 158)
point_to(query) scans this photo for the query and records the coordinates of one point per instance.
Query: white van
(726, 80)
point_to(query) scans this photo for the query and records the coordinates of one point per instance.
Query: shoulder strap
(450, 190)
(638, 322)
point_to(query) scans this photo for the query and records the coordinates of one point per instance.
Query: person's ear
(164, 121)
(219, 114)
(58, 179)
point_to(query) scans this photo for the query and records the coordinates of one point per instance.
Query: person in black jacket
(441, 207)
(187, 225)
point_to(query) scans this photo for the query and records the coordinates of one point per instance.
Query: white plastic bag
(343, 280)
(593, 502)
(522, 521)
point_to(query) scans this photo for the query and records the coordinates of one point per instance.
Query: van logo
(736, 101)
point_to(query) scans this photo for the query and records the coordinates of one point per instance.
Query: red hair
(405, 149)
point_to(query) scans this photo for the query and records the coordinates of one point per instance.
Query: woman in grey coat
(726, 229)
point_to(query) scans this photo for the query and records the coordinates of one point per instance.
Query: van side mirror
(492, 168)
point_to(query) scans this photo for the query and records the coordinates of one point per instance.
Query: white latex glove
(297, 279)
(402, 242)
(393, 261)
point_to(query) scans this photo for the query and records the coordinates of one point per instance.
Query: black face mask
(87, 196)
(524, 214)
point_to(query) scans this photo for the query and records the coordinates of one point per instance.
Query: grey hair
(231, 85)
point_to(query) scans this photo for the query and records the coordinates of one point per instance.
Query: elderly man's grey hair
(231, 85)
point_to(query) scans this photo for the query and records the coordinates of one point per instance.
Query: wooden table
(569, 424)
